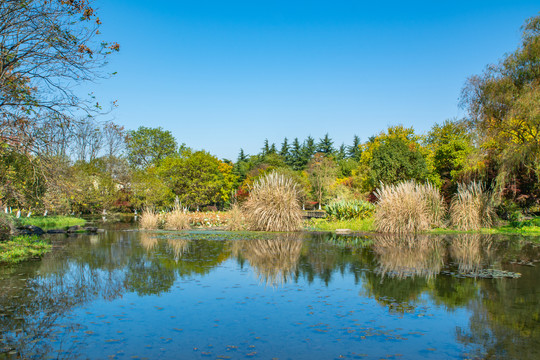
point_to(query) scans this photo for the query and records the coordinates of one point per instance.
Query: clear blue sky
(221, 75)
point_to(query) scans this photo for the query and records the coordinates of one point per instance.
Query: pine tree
(342, 153)
(242, 156)
(266, 148)
(284, 148)
(296, 156)
(355, 151)
(325, 145)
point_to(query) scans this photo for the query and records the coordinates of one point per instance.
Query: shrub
(471, 207)
(273, 204)
(149, 219)
(6, 227)
(408, 207)
(348, 210)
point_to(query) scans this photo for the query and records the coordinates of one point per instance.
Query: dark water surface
(212, 295)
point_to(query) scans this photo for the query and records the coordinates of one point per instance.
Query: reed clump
(273, 204)
(408, 207)
(149, 219)
(176, 219)
(472, 207)
(236, 220)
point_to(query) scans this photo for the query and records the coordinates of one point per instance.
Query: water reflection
(409, 255)
(471, 252)
(41, 303)
(274, 260)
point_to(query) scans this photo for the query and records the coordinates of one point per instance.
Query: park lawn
(51, 222)
(21, 248)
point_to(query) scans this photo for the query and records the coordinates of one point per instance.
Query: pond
(218, 295)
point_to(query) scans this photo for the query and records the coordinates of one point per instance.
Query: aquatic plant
(273, 204)
(149, 219)
(408, 207)
(472, 207)
(349, 209)
(21, 248)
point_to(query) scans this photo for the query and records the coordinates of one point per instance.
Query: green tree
(452, 145)
(296, 160)
(326, 145)
(503, 103)
(355, 149)
(198, 178)
(394, 161)
(148, 146)
(322, 172)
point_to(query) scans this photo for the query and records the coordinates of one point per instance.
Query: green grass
(333, 225)
(51, 222)
(21, 248)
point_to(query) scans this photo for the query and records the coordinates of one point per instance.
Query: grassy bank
(51, 222)
(21, 248)
(528, 228)
(332, 225)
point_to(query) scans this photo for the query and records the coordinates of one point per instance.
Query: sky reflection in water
(201, 295)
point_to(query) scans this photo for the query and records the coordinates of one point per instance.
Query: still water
(217, 295)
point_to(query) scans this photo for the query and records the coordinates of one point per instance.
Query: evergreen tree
(309, 148)
(296, 156)
(325, 145)
(341, 152)
(354, 150)
(242, 156)
(272, 149)
(266, 148)
(284, 148)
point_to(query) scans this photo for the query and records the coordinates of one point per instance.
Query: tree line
(56, 154)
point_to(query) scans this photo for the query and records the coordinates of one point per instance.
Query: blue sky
(221, 75)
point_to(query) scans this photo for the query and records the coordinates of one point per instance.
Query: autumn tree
(47, 47)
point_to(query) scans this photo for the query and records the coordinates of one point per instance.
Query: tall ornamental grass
(236, 221)
(408, 207)
(348, 210)
(273, 204)
(149, 219)
(177, 219)
(472, 207)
